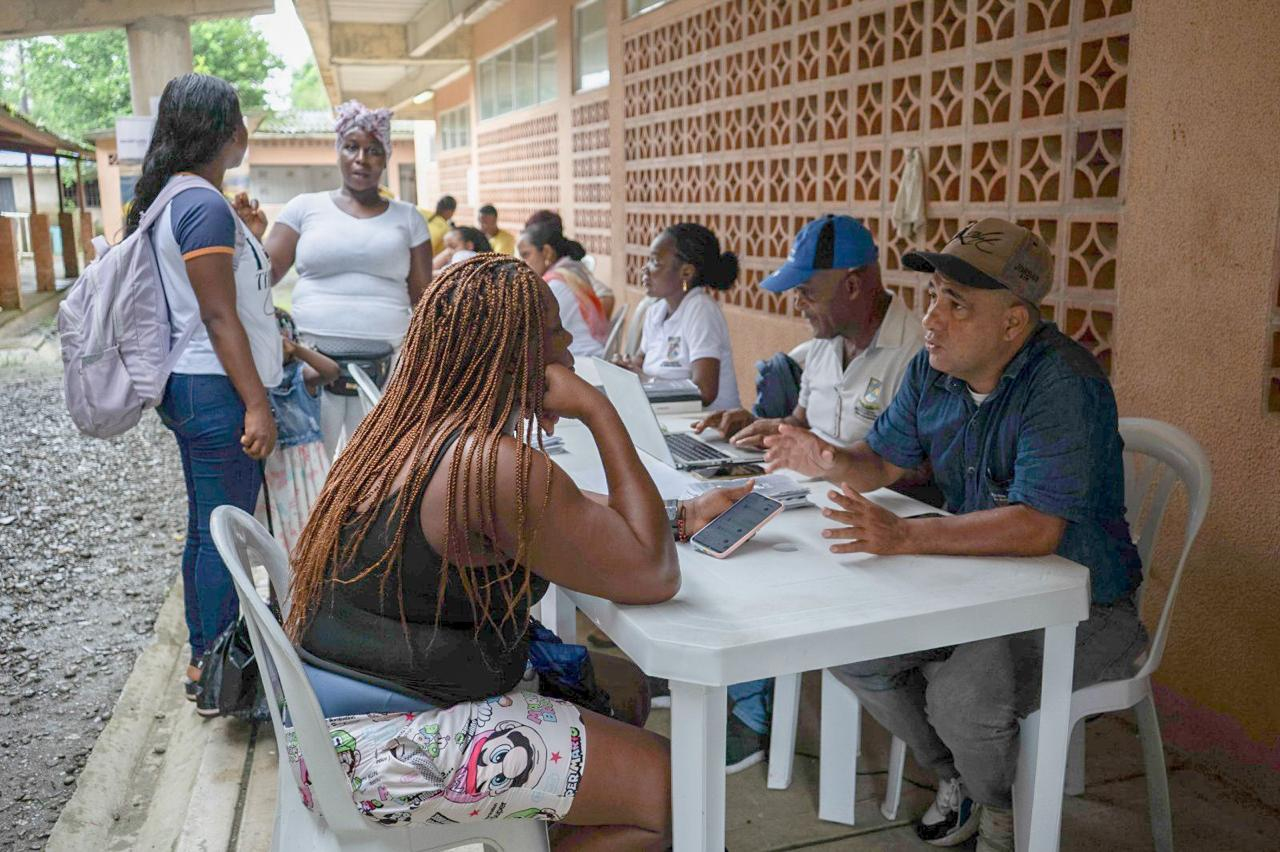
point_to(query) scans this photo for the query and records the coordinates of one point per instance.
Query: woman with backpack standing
(215, 275)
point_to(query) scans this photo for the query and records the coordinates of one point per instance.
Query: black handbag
(372, 356)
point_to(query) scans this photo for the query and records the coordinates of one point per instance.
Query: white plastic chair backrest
(613, 343)
(243, 542)
(1157, 456)
(369, 392)
(635, 329)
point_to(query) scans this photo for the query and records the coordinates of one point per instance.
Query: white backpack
(115, 330)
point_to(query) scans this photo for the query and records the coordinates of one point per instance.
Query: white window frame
(640, 7)
(488, 110)
(603, 32)
(450, 129)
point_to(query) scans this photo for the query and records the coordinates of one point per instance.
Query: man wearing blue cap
(864, 339)
(1019, 424)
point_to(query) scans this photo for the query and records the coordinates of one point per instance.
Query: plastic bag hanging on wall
(908, 206)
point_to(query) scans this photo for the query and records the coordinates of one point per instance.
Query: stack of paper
(786, 490)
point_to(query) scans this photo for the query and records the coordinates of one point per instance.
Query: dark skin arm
(419, 271)
(213, 279)
(318, 370)
(282, 247)
(706, 375)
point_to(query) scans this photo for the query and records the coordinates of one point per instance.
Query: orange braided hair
(473, 355)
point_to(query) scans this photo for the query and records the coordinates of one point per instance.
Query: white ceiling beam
(23, 18)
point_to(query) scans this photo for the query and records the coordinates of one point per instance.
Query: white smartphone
(736, 525)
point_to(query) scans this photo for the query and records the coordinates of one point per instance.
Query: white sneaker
(951, 819)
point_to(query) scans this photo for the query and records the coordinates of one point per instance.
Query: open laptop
(682, 451)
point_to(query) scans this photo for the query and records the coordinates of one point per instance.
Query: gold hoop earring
(685, 285)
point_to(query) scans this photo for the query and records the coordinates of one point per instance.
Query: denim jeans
(958, 708)
(753, 704)
(206, 415)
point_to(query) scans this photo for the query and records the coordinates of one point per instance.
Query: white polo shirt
(842, 402)
(696, 330)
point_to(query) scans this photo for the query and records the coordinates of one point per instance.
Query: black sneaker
(743, 747)
(952, 818)
(659, 692)
(191, 688)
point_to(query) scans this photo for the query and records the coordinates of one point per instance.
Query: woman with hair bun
(685, 335)
(558, 259)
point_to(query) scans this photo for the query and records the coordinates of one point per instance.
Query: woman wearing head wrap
(363, 261)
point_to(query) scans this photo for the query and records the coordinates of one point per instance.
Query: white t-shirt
(352, 273)
(583, 344)
(199, 222)
(842, 402)
(696, 330)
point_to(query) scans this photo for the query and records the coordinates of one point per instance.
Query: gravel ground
(90, 539)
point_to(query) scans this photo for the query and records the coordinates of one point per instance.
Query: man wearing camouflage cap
(1020, 426)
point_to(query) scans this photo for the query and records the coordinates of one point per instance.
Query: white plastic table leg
(698, 717)
(838, 759)
(558, 613)
(893, 792)
(1048, 767)
(782, 730)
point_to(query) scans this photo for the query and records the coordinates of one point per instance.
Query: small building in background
(289, 153)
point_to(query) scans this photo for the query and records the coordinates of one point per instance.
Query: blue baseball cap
(832, 242)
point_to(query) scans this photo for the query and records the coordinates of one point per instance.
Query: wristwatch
(675, 516)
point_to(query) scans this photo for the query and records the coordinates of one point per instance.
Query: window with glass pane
(505, 85)
(526, 83)
(635, 7)
(546, 46)
(519, 76)
(592, 69)
(488, 85)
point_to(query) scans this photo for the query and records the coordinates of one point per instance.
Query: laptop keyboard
(686, 448)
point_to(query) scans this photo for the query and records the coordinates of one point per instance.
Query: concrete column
(70, 263)
(86, 236)
(10, 276)
(42, 251)
(159, 50)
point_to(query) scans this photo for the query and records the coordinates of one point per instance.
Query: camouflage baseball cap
(992, 254)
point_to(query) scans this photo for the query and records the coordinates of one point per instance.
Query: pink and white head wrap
(377, 122)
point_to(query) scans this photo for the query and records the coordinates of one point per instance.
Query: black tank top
(357, 625)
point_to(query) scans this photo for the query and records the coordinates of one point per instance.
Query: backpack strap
(177, 184)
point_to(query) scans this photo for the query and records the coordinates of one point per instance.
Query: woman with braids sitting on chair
(440, 524)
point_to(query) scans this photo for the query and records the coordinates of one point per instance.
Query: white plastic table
(783, 604)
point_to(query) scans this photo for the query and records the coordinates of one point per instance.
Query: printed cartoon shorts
(516, 756)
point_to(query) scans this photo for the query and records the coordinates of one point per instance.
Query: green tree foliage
(233, 49)
(307, 91)
(78, 83)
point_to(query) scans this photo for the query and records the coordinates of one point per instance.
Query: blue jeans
(206, 415)
(753, 704)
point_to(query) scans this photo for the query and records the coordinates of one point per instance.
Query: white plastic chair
(613, 343)
(369, 392)
(636, 328)
(1157, 457)
(334, 824)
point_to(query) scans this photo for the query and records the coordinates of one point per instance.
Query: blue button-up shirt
(1047, 437)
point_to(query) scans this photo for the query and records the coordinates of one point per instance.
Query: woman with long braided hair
(440, 524)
